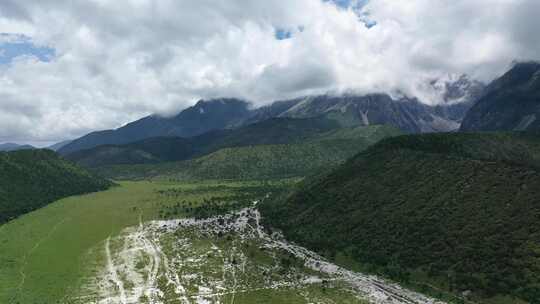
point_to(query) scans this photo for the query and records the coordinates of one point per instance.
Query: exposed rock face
(406, 114)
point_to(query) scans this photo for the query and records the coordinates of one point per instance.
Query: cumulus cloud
(116, 61)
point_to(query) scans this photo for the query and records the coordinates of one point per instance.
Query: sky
(71, 67)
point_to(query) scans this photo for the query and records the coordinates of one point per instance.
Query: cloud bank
(115, 61)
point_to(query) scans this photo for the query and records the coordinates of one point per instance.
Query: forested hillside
(30, 179)
(169, 149)
(320, 152)
(456, 211)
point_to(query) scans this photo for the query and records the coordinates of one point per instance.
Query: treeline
(31, 179)
(218, 204)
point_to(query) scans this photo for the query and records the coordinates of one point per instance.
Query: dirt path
(32, 250)
(114, 273)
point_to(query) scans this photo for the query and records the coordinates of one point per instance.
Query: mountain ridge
(203, 117)
(163, 149)
(408, 114)
(7, 147)
(509, 103)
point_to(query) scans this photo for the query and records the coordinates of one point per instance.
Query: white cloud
(119, 60)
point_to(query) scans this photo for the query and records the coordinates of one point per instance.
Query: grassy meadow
(44, 254)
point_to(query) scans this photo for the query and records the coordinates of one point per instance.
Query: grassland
(134, 243)
(43, 254)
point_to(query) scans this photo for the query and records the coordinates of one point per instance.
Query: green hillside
(455, 212)
(30, 179)
(321, 152)
(169, 149)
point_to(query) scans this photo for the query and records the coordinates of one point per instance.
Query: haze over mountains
(14, 147)
(406, 114)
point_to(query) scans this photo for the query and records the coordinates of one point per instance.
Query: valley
(118, 247)
(322, 199)
(43, 254)
(269, 152)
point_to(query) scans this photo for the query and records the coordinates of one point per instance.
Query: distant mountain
(406, 114)
(166, 149)
(59, 145)
(30, 179)
(511, 102)
(14, 147)
(455, 211)
(455, 89)
(203, 117)
(296, 159)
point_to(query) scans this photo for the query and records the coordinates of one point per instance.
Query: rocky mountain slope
(511, 102)
(408, 115)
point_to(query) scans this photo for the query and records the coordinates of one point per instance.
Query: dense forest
(456, 211)
(30, 179)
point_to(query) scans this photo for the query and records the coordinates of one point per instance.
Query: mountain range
(406, 114)
(14, 147)
(166, 149)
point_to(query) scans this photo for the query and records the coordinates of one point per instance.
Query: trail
(151, 249)
(114, 274)
(235, 281)
(34, 248)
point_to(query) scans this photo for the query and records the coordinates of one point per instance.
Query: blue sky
(13, 46)
(283, 34)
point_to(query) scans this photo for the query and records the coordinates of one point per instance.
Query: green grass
(49, 246)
